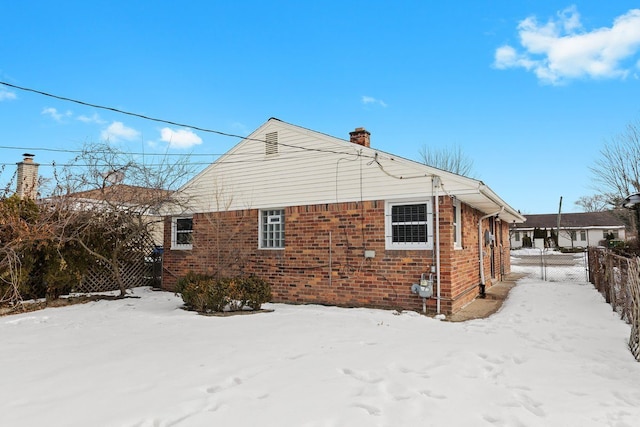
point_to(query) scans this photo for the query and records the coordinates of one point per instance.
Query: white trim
(457, 220)
(272, 219)
(174, 234)
(388, 232)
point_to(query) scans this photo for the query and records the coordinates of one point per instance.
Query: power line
(116, 110)
(63, 150)
(170, 122)
(240, 158)
(157, 159)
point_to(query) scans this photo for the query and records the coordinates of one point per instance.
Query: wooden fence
(142, 267)
(617, 278)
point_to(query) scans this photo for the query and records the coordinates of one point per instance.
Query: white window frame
(267, 221)
(583, 236)
(174, 234)
(516, 235)
(457, 224)
(390, 244)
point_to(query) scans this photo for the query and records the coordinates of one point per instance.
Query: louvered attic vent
(271, 144)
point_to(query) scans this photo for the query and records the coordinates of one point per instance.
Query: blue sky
(530, 90)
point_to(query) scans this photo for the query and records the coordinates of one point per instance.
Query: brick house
(331, 221)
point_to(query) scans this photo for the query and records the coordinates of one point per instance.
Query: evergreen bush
(255, 292)
(193, 289)
(204, 293)
(34, 263)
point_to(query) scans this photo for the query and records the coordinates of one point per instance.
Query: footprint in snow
(229, 383)
(361, 376)
(371, 410)
(433, 395)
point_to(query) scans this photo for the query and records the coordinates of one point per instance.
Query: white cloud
(55, 114)
(6, 95)
(152, 144)
(561, 49)
(95, 118)
(240, 128)
(117, 131)
(371, 100)
(181, 138)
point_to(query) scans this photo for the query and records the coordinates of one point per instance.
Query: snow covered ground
(550, 265)
(554, 355)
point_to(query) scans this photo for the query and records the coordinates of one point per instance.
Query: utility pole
(558, 225)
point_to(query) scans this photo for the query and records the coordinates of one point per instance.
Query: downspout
(481, 249)
(330, 259)
(436, 182)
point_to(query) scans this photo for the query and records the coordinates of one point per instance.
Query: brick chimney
(27, 185)
(361, 136)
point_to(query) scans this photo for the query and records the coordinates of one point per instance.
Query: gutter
(485, 191)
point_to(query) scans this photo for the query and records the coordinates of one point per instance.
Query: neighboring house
(330, 221)
(577, 230)
(148, 201)
(124, 196)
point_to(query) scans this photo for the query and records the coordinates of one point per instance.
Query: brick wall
(323, 261)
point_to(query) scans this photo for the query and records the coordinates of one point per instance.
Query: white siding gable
(305, 167)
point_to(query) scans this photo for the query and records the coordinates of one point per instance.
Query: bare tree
(595, 203)
(226, 228)
(451, 159)
(116, 200)
(616, 173)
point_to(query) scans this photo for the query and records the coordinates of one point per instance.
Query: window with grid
(408, 226)
(272, 229)
(583, 235)
(517, 236)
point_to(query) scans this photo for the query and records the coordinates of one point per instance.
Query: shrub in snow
(255, 292)
(38, 258)
(204, 293)
(192, 288)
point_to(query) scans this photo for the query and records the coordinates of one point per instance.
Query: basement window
(408, 225)
(182, 233)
